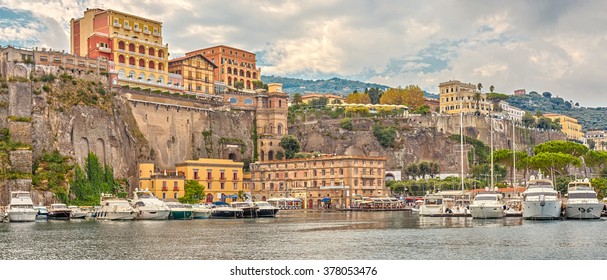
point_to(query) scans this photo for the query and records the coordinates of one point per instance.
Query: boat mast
(513, 160)
(461, 134)
(491, 119)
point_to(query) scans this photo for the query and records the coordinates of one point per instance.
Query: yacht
(59, 211)
(201, 211)
(21, 208)
(541, 201)
(582, 202)
(249, 210)
(432, 205)
(265, 209)
(76, 213)
(149, 207)
(113, 208)
(487, 205)
(222, 210)
(180, 211)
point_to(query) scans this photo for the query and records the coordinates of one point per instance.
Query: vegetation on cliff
(52, 172)
(66, 91)
(91, 181)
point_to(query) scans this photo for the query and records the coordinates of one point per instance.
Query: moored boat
(59, 211)
(114, 208)
(201, 211)
(180, 211)
(432, 205)
(265, 209)
(149, 207)
(76, 213)
(21, 208)
(541, 201)
(42, 212)
(222, 210)
(249, 210)
(487, 205)
(582, 202)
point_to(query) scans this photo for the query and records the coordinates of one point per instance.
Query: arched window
(160, 53)
(141, 76)
(279, 103)
(248, 74)
(248, 101)
(271, 131)
(263, 156)
(241, 72)
(152, 78)
(151, 64)
(254, 75)
(161, 80)
(131, 60)
(121, 59)
(132, 47)
(271, 155)
(151, 51)
(229, 70)
(248, 84)
(142, 49)
(279, 129)
(141, 62)
(121, 45)
(132, 75)
(121, 73)
(160, 66)
(233, 100)
(229, 81)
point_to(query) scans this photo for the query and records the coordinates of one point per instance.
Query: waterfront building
(569, 126)
(197, 73)
(318, 180)
(596, 139)
(234, 65)
(511, 112)
(132, 44)
(456, 96)
(165, 184)
(331, 98)
(222, 179)
(271, 117)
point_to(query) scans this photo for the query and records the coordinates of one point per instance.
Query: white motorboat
(541, 201)
(148, 206)
(265, 209)
(76, 212)
(582, 202)
(487, 205)
(113, 208)
(21, 208)
(432, 205)
(201, 211)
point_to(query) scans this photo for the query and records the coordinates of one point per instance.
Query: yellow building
(131, 43)
(197, 73)
(569, 126)
(331, 98)
(166, 185)
(222, 178)
(455, 95)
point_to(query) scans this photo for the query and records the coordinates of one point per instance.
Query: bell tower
(272, 111)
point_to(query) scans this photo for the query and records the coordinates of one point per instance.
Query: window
(116, 22)
(175, 195)
(235, 186)
(209, 185)
(195, 174)
(164, 195)
(248, 101)
(126, 24)
(235, 175)
(222, 175)
(43, 58)
(222, 185)
(233, 100)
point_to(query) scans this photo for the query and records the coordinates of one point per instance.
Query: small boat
(114, 208)
(59, 211)
(249, 210)
(201, 211)
(265, 209)
(222, 210)
(541, 201)
(21, 208)
(180, 211)
(77, 213)
(487, 205)
(432, 205)
(149, 207)
(42, 212)
(582, 202)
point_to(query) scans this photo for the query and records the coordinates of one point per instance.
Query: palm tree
(491, 88)
(479, 87)
(477, 99)
(297, 99)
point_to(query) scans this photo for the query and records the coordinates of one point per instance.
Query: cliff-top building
(234, 65)
(599, 139)
(456, 96)
(271, 114)
(569, 126)
(133, 45)
(197, 72)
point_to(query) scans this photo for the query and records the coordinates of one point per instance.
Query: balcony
(137, 29)
(176, 189)
(222, 178)
(105, 50)
(147, 32)
(127, 27)
(117, 24)
(164, 189)
(156, 34)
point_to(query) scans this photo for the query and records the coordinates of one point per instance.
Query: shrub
(346, 123)
(48, 78)
(46, 88)
(384, 135)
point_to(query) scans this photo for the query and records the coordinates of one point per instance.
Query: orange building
(234, 65)
(197, 72)
(132, 44)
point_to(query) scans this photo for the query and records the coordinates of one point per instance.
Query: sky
(555, 46)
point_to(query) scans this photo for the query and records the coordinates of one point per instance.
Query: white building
(599, 137)
(511, 112)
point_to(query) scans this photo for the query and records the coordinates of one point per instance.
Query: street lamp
(406, 195)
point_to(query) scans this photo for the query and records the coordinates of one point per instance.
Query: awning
(326, 199)
(232, 196)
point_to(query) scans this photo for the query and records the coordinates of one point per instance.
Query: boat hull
(430, 210)
(486, 211)
(583, 210)
(180, 215)
(59, 215)
(249, 212)
(226, 214)
(115, 215)
(201, 214)
(153, 214)
(542, 210)
(22, 215)
(267, 213)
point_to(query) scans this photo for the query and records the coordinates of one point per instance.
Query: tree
(319, 102)
(375, 95)
(280, 155)
(547, 94)
(422, 110)
(358, 98)
(528, 120)
(477, 99)
(596, 159)
(90, 182)
(194, 192)
(412, 170)
(479, 87)
(560, 146)
(258, 84)
(424, 169)
(411, 96)
(384, 135)
(291, 146)
(239, 85)
(297, 99)
(557, 162)
(491, 88)
(434, 169)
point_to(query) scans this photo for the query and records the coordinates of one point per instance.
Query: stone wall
(21, 161)
(20, 99)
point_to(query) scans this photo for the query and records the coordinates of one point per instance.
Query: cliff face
(417, 138)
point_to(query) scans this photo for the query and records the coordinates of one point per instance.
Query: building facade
(317, 180)
(166, 185)
(197, 72)
(132, 44)
(234, 65)
(272, 111)
(456, 96)
(520, 92)
(331, 98)
(511, 112)
(569, 126)
(222, 178)
(598, 138)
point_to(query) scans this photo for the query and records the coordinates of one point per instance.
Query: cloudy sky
(555, 46)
